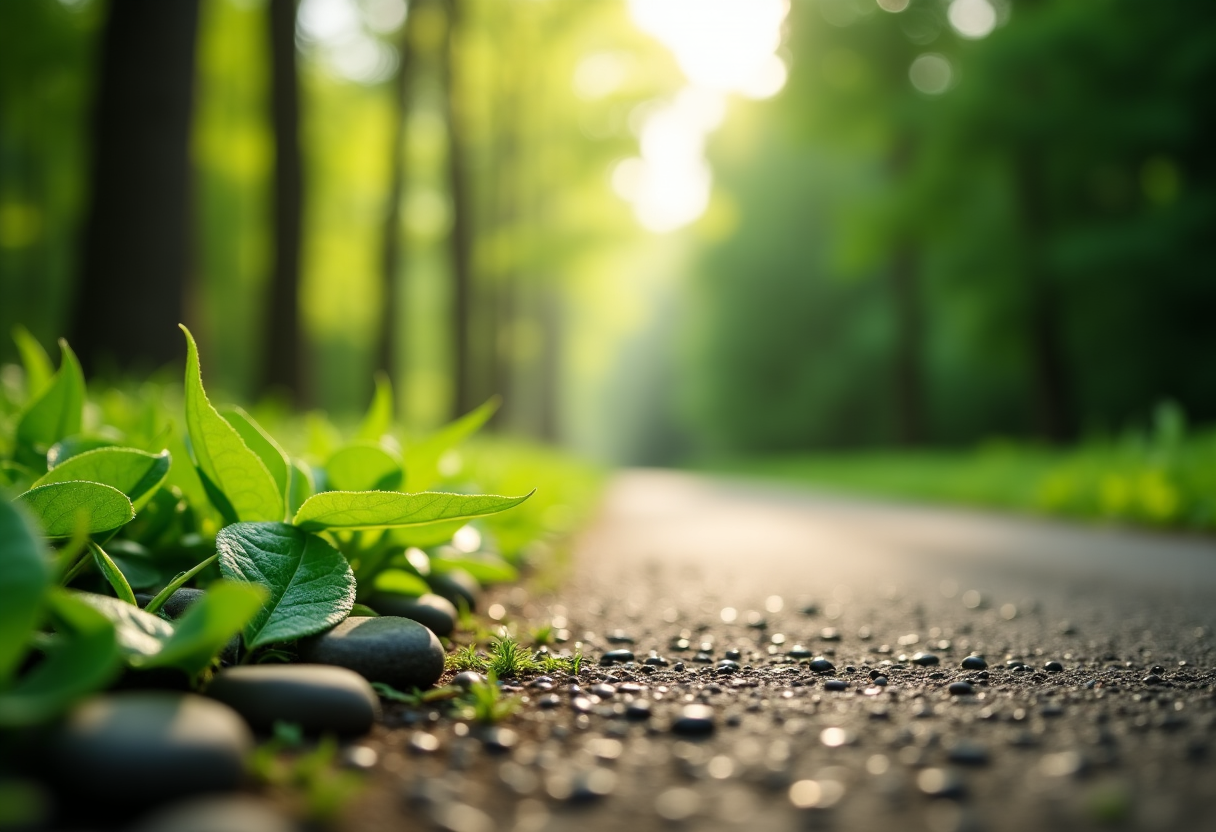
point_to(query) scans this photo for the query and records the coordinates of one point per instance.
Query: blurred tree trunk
(392, 248)
(1049, 373)
(905, 288)
(460, 239)
(135, 262)
(282, 351)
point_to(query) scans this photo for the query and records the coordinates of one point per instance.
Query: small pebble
(694, 720)
(961, 689)
(1053, 667)
(614, 656)
(822, 665)
(727, 666)
(974, 663)
(1152, 679)
(924, 659)
(835, 685)
(638, 709)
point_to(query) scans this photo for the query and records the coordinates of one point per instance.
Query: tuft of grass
(465, 658)
(485, 702)
(509, 659)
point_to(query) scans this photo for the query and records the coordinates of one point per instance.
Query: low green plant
(307, 776)
(486, 703)
(507, 658)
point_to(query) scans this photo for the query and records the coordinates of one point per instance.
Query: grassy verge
(1163, 478)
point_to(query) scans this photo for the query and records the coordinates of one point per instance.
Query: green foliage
(24, 576)
(486, 703)
(134, 472)
(363, 466)
(235, 477)
(112, 574)
(61, 507)
(55, 413)
(352, 510)
(310, 585)
(507, 658)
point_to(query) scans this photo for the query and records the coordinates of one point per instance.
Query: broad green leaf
(262, 444)
(37, 363)
(141, 635)
(363, 466)
(112, 574)
(227, 464)
(391, 509)
(400, 581)
(58, 506)
(487, 569)
(135, 473)
(310, 584)
(208, 625)
(73, 446)
(25, 574)
(302, 486)
(379, 418)
(57, 412)
(427, 537)
(422, 458)
(84, 658)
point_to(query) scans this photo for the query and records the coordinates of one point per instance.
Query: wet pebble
(397, 651)
(961, 688)
(727, 666)
(432, 611)
(835, 685)
(1053, 667)
(799, 652)
(467, 678)
(924, 659)
(319, 698)
(694, 720)
(1152, 679)
(822, 665)
(616, 656)
(974, 663)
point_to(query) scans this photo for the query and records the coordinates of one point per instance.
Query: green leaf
(390, 509)
(486, 568)
(83, 659)
(226, 463)
(25, 574)
(422, 458)
(302, 486)
(136, 563)
(57, 412)
(37, 363)
(262, 444)
(379, 418)
(363, 466)
(140, 635)
(135, 473)
(113, 575)
(72, 446)
(57, 506)
(310, 584)
(207, 626)
(400, 581)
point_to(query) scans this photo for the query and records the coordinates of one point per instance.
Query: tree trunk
(460, 239)
(392, 249)
(908, 337)
(136, 241)
(282, 352)
(1049, 374)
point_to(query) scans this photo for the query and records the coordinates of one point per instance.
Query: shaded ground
(1122, 736)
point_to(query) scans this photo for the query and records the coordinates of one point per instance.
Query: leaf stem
(81, 565)
(174, 585)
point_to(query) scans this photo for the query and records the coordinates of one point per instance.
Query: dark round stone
(397, 651)
(1053, 667)
(961, 688)
(177, 603)
(799, 652)
(432, 611)
(603, 691)
(320, 698)
(616, 656)
(733, 654)
(1152, 679)
(237, 813)
(703, 658)
(974, 663)
(727, 666)
(835, 685)
(497, 739)
(925, 659)
(1158, 669)
(458, 586)
(880, 681)
(467, 678)
(655, 661)
(822, 665)
(694, 720)
(968, 753)
(143, 748)
(638, 709)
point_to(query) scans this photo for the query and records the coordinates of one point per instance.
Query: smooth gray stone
(143, 748)
(397, 651)
(217, 814)
(320, 698)
(434, 612)
(458, 586)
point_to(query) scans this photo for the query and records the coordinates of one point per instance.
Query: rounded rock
(961, 688)
(396, 651)
(432, 611)
(217, 814)
(694, 720)
(822, 665)
(974, 663)
(1053, 667)
(149, 747)
(836, 685)
(320, 698)
(458, 586)
(614, 656)
(467, 678)
(925, 659)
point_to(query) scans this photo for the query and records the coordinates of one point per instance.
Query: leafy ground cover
(1163, 476)
(142, 490)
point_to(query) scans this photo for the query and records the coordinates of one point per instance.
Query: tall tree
(461, 236)
(135, 260)
(282, 352)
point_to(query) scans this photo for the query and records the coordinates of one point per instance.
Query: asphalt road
(1097, 708)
